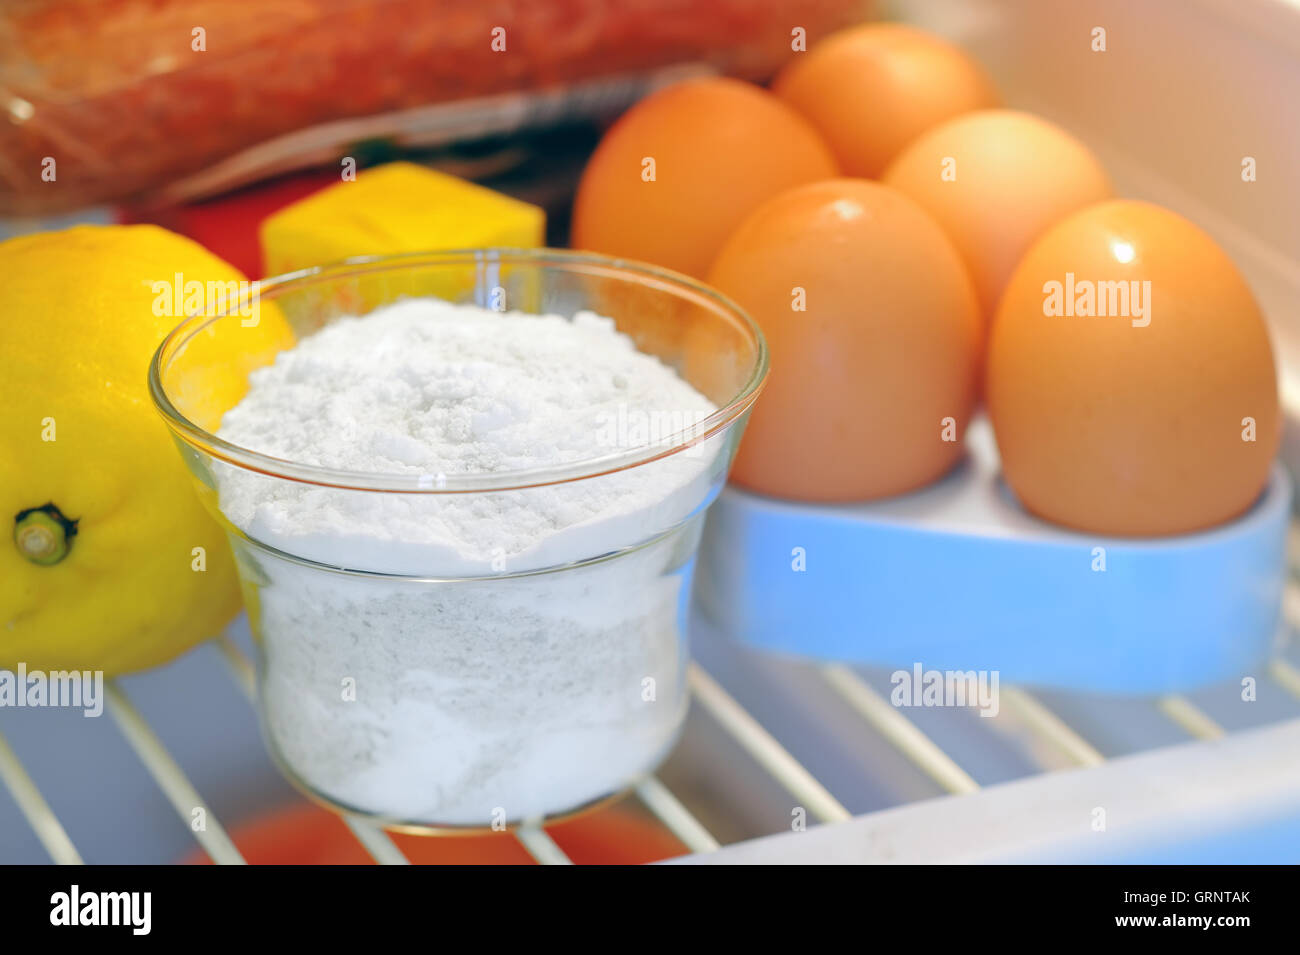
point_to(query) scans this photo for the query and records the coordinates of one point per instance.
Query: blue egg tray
(957, 576)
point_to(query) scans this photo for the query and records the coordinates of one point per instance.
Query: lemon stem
(43, 535)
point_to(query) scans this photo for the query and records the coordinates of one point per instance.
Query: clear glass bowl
(408, 682)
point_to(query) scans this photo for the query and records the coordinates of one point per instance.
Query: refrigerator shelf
(695, 793)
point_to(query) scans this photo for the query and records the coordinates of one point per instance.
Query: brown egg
(872, 89)
(995, 180)
(680, 170)
(1144, 407)
(874, 336)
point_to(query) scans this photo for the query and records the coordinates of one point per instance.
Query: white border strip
(1148, 799)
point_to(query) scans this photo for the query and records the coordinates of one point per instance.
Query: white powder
(426, 388)
(498, 695)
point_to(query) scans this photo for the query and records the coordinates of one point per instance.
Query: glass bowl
(429, 686)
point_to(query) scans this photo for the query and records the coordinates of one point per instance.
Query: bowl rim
(684, 286)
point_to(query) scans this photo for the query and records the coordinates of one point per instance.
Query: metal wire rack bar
(378, 843)
(764, 748)
(899, 730)
(170, 778)
(241, 668)
(1285, 675)
(659, 799)
(33, 806)
(1190, 717)
(540, 845)
(1048, 726)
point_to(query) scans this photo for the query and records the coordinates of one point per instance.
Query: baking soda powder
(503, 689)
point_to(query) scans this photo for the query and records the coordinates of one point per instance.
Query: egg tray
(957, 576)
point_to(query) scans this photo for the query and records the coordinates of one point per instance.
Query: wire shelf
(1021, 711)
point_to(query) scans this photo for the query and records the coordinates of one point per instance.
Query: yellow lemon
(111, 562)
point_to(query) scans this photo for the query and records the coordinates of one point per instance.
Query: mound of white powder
(432, 389)
(503, 690)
